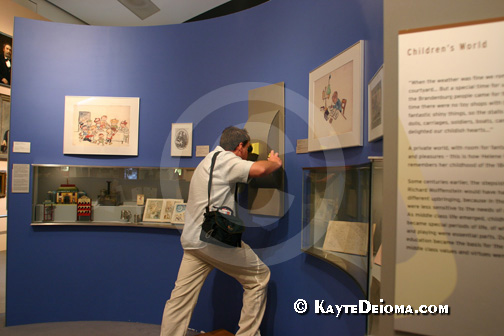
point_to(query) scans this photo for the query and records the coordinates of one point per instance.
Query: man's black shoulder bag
(218, 228)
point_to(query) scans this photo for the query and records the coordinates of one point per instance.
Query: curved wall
(197, 72)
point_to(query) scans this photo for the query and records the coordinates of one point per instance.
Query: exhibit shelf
(116, 224)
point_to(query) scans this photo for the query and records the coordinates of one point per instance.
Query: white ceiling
(113, 13)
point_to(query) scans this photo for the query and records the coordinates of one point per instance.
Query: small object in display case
(67, 194)
(178, 216)
(48, 211)
(84, 209)
(108, 197)
(140, 199)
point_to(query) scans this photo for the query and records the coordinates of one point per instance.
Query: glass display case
(336, 217)
(108, 196)
(374, 294)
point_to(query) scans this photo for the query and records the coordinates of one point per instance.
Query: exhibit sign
(450, 218)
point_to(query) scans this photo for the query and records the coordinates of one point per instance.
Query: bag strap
(210, 179)
(214, 158)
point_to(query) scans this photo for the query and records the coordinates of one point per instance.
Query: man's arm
(265, 167)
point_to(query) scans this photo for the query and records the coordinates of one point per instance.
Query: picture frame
(178, 216)
(169, 208)
(375, 106)
(181, 139)
(153, 210)
(5, 66)
(336, 101)
(101, 125)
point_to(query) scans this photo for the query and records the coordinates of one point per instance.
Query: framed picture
(336, 104)
(375, 106)
(153, 210)
(3, 183)
(5, 59)
(101, 125)
(181, 140)
(168, 208)
(178, 216)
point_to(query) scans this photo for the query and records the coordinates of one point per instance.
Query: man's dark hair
(232, 136)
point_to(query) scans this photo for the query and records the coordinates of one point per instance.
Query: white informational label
(450, 219)
(21, 147)
(202, 151)
(20, 178)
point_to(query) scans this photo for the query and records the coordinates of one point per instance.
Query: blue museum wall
(200, 73)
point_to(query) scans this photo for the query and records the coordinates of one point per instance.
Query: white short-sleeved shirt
(229, 169)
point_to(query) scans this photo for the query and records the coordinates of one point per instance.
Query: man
(5, 64)
(200, 258)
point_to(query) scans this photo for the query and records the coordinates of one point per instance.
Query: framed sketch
(101, 125)
(336, 101)
(153, 210)
(168, 208)
(5, 59)
(181, 140)
(178, 216)
(375, 106)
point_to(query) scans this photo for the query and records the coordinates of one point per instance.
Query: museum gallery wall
(197, 73)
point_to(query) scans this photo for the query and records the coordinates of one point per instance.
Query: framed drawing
(153, 210)
(5, 59)
(335, 108)
(168, 208)
(181, 140)
(101, 125)
(375, 106)
(178, 216)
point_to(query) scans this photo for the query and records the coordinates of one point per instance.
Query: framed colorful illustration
(336, 101)
(178, 216)
(375, 106)
(101, 125)
(153, 210)
(181, 140)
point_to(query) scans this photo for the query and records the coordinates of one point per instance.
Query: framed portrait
(178, 216)
(168, 208)
(101, 125)
(336, 101)
(5, 59)
(153, 210)
(181, 140)
(375, 106)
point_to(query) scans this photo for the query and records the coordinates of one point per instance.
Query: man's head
(7, 50)
(234, 138)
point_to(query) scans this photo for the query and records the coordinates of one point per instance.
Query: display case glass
(374, 293)
(336, 217)
(113, 196)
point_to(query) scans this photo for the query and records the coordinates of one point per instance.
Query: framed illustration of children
(336, 101)
(5, 59)
(101, 125)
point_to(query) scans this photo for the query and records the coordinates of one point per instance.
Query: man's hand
(273, 157)
(265, 167)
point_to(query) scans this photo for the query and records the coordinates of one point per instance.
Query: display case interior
(336, 217)
(92, 195)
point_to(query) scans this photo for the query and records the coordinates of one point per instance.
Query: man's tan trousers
(240, 263)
